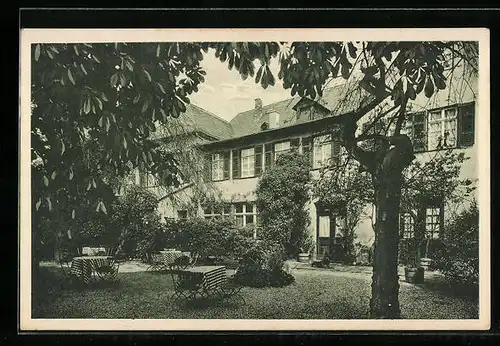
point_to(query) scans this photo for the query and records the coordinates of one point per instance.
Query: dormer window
(264, 126)
(274, 120)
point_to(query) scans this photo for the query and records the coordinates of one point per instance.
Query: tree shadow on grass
(468, 291)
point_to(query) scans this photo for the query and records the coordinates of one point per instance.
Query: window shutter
(466, 125)
(236, 164)
(294, 144)
(226, 165)
(307, 148)
(335, 152)
(333, 226)
(268, 155)
(208, 167)
(258, 160)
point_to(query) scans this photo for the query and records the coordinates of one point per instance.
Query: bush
(134, 224)
(458, 257)
(262, 266)
(217, 237)
(282, 194)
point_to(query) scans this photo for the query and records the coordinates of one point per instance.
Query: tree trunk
(384, 303)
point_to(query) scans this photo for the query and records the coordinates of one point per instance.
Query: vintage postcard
(254, 179)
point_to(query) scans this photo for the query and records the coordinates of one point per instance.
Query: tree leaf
(99, 103)
(83, 69)
(89, 185)
(45, 180)
(98, 207)
(63, 147)
(158, 51)
(145, 106)
(100, 122)
(53, 175)
(38, 203)
(93, 183)
(103, 208)
(429, 87)
(124, 142)
(147, 74)
(108, 124)
(70, 173)
(70, 76)
(73, 214)
(161, 88)
(86, 106)
(49, 203)
(37, 52)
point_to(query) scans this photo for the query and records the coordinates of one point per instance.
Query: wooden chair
(186, 286)
(107, 272)
(231, 288)
(157, 263)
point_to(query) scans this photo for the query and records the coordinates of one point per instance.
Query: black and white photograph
(254, 179)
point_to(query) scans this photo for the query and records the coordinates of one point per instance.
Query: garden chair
(182, 262)
(65, 261)
(157, 263)
(107, 272)
(231, 288)
(185, 286)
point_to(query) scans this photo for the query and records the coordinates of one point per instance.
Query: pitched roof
(337, 100)
(248, 122)
(207, 122)
(196, 119)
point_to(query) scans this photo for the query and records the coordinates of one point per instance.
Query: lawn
(316, 294)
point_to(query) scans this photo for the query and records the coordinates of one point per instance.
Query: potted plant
(305, 250)
(414, 272)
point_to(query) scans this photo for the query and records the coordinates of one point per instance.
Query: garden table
(84, 266)
(211, 277)
(170, 256)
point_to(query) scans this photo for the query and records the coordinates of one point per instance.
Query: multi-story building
(237, 152)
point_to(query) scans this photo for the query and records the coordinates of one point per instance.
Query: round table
(84, 266)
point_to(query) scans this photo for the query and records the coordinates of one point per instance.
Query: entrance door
(325, 231)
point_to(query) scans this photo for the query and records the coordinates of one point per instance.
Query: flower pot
(425, 263)
(414, 275)
(303, 257)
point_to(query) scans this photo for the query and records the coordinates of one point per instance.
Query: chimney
(258, 104)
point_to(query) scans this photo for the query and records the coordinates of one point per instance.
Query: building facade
(235, 158)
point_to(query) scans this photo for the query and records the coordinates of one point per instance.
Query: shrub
(262, 266)
(134, 224)
(282, 194)
(217, 237)
(458, 257)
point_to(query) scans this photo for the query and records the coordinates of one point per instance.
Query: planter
(425, 263)
(303, 257)
(414, 275)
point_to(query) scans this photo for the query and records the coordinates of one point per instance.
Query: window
(322, 151)
(182, 214)
(245, 213)
(407, 225)
(324, 226)
(281, 147)
(432, 222)
(442, 128)
(416, 129)
(217, 167)
(223, 210)
(274, 120)
(247, 163)
(146, 179)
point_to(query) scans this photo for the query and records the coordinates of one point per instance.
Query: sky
(225, 93)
